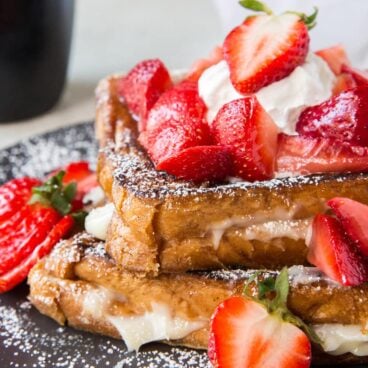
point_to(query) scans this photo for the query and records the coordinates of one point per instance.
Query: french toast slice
(169, 225)
(80, 285)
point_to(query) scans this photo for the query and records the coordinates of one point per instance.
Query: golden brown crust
(192, 296)
(167, 225)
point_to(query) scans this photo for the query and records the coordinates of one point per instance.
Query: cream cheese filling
(262, 226)
(340, 339)
(136, 330)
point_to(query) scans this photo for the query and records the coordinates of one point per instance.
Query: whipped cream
(98, 220)
(309, 84)
(339, 339)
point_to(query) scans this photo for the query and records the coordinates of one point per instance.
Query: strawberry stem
(309, 20)
(272, 293)
(256, 5)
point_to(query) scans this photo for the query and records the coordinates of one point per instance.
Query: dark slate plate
(29, 339)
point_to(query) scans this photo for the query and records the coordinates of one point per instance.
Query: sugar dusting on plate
(33, 345)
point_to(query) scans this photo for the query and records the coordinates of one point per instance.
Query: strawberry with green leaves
(34, 216)
(259, 331)
(267, 47)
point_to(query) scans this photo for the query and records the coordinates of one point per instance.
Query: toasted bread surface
(169, 225)
(63, 283)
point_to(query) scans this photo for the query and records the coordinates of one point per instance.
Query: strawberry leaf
(272, 293)
(53, 193)
(256, 5)
(79, 217)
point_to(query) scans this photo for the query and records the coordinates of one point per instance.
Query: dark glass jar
(35, 38)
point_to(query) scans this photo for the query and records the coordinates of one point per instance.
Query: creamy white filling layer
(98, 220)
(262, 226)
(157, 324)
(340, 339)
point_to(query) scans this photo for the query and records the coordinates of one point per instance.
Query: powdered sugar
(31, 340)
(135, 171)
(44, 153)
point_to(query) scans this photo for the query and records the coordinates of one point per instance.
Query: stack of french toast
(174, 249)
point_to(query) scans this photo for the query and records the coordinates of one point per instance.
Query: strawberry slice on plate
(299, 155)
(353, 216)
(14, 194)
(143, 85)
(38, 215)
(199, 163)
(335, 57)
(245, 127)
(334, 253)
(254, 332)
(343, 117)
(257, 58)
(19, 273)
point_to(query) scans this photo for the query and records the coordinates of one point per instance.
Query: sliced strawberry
(181, 104)
(201, 65)
(33, 225)
(344, 81)
(304, 155)
(331, 250)
(199, 163)
(86, 179)
(343, 117)
(335, 57)
(360, 76)
(143, 85)
(32, 230)
(353, 217)
(19, 273)
(14, 195)
(172, 138)
(176, 122)
(259, 331)
(257, 58)
(76, 171)
(251, 134)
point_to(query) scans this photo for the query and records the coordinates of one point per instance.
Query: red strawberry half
(343, 117)
(257, 58)
(199, 163)
(304, 155)
(246, 333)
(250, 133)
(354, 219)
(332, 251)
(176, 122)
(35, 216)
(181, 104)
(143, 85)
